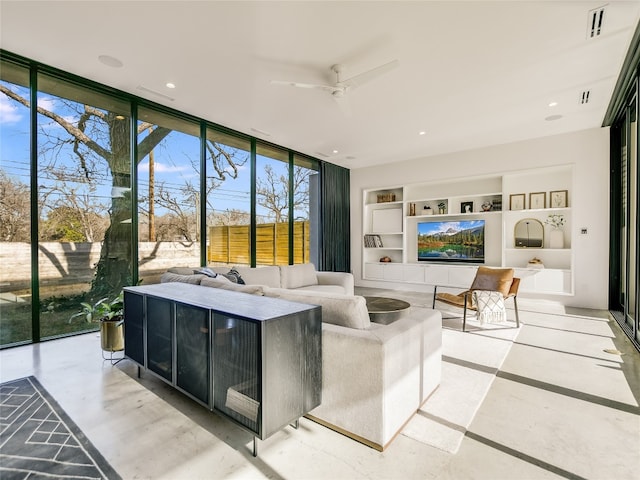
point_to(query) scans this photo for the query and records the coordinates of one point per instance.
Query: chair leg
(515, 305)
(464, 313)
(433, 305)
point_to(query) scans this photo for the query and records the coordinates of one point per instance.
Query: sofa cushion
(496, 279)
(225, 284)
(296, 276)
(344, 310)
(182, 270)
(176, 277)
(322, 288)
(268, 276)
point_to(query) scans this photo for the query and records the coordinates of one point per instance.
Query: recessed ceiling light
(170, 85)
(422, 133)
(553, 104)
(551, 118)
(335, 151)
(110, 61)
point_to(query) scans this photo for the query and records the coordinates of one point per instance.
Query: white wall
(587, 150)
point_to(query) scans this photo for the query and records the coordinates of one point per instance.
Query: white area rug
(470, 361)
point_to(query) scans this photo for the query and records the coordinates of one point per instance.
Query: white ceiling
(469, 74)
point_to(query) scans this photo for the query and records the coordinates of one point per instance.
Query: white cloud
(160, 167)
(47, 103)
(9, 111)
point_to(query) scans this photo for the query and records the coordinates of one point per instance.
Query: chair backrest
(495, 279)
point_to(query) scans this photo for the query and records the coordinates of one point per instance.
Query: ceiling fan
(341, 87)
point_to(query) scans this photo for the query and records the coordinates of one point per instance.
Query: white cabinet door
(393, 272)
(373, 271)
(436, 274)
(461, 276)
(414, 273)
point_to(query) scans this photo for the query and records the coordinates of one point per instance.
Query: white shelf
(499, 228)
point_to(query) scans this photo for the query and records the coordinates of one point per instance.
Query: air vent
(584, 97)
(595, 22)
(320, 154)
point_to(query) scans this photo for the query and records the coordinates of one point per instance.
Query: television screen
(451, 241)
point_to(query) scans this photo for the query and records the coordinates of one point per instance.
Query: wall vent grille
(584, 97)
(595, 22)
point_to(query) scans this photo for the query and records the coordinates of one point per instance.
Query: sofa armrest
(345, 280)
(374, 380)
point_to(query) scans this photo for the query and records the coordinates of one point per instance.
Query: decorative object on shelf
(442, 208)
(496, 204)
(559, 199)
(466, 207)
(516, 201)
(535, 263)
(538, 200)
(412, 209)
(486, 206)
(385, 259)
(386, 197)
(373, 241)
(427, 210)
(528, 233)
(556, 235)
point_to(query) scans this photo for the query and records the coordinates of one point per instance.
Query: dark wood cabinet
(253, 359)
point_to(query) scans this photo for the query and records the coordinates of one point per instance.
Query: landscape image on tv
(459, 241)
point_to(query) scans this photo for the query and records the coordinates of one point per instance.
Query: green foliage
(103, 309)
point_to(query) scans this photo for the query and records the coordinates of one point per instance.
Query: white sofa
(374, 377)
(299, 277)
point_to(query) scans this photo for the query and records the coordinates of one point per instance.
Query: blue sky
(433, 227)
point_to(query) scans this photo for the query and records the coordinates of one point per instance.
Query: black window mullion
(35, 211)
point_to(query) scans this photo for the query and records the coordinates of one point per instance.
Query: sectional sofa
(374, 377)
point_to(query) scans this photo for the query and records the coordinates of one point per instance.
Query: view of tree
(14, 210)
(273, 192)
(96, 134)
(72, 160)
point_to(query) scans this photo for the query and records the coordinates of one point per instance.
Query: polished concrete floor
(561, 406)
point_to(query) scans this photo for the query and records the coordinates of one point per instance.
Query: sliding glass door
(625, 204)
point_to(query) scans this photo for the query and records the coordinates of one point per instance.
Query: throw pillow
(344, 310)
(223, 283)
(234, 276)
(206, 271)
(495, 279)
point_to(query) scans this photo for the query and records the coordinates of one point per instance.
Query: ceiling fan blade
(286, 83)
(369, 75)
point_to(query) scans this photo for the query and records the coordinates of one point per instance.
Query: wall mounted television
(459, 241)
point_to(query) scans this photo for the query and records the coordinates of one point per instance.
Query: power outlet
(583, 231)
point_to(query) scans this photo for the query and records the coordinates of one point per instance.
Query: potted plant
(110, 314)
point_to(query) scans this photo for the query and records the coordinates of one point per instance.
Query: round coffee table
(385, 310)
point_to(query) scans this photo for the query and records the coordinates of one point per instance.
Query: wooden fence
(231, 244)
(68, 267)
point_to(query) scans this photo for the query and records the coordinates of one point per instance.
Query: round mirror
(529, 233)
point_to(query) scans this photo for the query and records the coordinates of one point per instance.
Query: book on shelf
(372, 241)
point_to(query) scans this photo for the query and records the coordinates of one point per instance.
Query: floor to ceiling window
(272, 205)
(15, 210)
(625, 204)
(84, 225)
(306, 218)
(100, 189)
(168, 193)
(228, 197)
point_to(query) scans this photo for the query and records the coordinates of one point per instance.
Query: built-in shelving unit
(391, 216)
